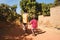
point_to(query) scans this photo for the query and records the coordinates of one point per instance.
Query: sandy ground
(50, 34)
(18, 34)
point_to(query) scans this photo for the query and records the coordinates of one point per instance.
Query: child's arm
(31, 22)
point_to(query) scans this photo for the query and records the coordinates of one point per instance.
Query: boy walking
(25, 20)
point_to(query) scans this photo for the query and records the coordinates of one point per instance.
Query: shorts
(24, 26)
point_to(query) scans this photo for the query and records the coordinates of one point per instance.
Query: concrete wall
(50, 21)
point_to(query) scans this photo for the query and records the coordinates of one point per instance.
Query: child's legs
(24, 28)
(32, 31)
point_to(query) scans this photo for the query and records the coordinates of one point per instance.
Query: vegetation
(45, 9)
(30, 7)
(8, 13)
(57, 2)
(34, 8)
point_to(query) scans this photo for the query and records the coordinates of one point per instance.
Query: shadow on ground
(13, 32)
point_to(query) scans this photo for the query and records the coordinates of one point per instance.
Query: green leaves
(33, 8)
(8, 13)
(28, 5)
(46, 9)
(57, 2)
(14, 7)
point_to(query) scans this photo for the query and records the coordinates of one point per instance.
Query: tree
(30, 7)
(27, 5)
(34, 8)
(38, 8)
(14, 7)
(4, 11)
(51, 5)
(8, 13)
(45, 9)
(57, 2)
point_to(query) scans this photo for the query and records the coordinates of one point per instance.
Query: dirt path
(50, 34)
(18, 34)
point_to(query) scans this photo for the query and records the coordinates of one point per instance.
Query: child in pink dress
(33, 22)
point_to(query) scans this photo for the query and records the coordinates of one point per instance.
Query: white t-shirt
(25, 18)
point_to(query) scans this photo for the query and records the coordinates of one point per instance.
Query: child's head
(33, 16)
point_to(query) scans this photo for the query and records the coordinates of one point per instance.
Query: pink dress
(34, 23)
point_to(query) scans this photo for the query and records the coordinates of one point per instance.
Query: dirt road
(17, 33)
(50, 34)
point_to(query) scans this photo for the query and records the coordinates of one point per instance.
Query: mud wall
(50, 21)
